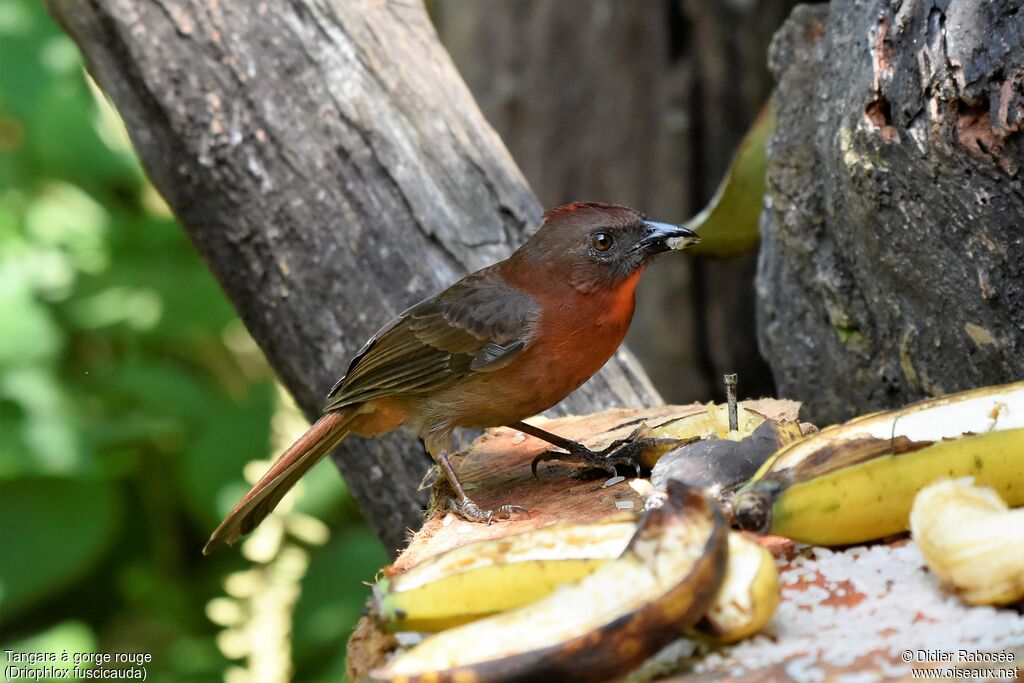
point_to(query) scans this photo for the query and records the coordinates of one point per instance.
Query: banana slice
(601, 626)
(972, 541)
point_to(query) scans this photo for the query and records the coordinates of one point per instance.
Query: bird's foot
(469, 510)
(627, 452)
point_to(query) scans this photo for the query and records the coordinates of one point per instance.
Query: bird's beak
(666, 237)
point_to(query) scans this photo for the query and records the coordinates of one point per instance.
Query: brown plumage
(502, 344)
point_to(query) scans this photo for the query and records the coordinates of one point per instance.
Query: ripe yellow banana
(971, 541)
(856, 481)
(599, 627)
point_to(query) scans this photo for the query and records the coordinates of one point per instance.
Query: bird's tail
(264, 496)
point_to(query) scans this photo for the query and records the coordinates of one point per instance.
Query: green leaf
(729, 224)
(54, 531)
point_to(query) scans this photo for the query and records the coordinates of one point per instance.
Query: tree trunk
(332, 168)
(640, 102)
(892, 261)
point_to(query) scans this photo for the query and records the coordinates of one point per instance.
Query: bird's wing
(479, 324)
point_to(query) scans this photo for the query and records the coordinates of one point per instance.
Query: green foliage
(35, 511)
(130, 395)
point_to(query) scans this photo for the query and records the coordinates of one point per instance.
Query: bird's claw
(472, 512)
(626, 452)
(508, 509)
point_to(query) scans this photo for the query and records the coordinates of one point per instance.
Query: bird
(500, 345)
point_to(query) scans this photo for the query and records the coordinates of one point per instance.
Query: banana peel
(711, 423)
(600, 626)
(708, 424)
(971, 541)
(856, 481)
(486, 577)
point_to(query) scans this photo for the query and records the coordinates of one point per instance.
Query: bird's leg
(464, 506)
(625, 452)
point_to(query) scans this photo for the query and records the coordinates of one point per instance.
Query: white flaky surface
(814, 632)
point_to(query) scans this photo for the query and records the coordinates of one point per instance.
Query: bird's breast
(580, 338)
(574, 336)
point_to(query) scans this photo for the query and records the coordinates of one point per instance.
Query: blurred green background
(131, 399)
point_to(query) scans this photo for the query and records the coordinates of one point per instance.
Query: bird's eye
(602, 241)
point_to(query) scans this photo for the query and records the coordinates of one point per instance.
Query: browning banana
(749, 593)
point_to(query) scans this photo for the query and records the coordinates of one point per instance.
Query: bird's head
(602, 245)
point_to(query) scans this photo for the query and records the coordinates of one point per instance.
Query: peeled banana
(856, 481)
(599, 627)
(971, 541)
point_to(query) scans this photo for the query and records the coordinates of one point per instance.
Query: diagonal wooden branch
(331, 167)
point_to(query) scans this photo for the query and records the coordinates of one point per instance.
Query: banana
(486, 577)
(856, 481)
(720, 466)
(971, 541)
(749, 593)
(711, 423)
(599, 627)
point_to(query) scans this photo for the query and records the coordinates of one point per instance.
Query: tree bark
(892, 259)
(331, 167)
(640, 102)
